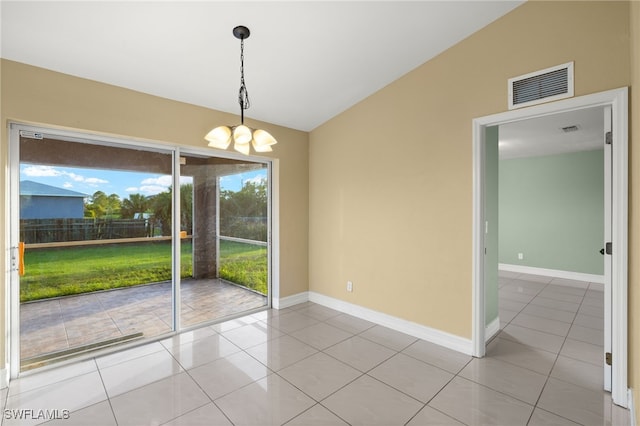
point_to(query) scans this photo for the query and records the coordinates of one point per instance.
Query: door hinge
(608, 138)
(607, 358)
(608, 248)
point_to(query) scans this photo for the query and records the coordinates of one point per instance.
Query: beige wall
(391, 178)
(634, 210)
(34, 95)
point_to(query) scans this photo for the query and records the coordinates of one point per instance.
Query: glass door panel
(224, 230)
(95, 221)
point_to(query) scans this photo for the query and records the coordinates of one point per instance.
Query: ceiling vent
(542, 86)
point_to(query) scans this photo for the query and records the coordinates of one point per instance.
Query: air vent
(541, 86)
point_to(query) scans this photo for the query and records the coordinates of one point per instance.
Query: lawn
(53, 272)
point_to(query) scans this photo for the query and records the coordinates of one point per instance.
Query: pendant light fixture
(241, 136)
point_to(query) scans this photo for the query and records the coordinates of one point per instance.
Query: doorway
(617, 100)
(116, 242)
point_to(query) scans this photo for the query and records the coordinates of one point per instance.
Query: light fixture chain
(243, 95)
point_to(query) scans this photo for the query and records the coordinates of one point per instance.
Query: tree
(101, 205)
(136, 203)
(243, 213)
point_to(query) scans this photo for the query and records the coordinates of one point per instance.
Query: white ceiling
(545, 135)
(305, 61)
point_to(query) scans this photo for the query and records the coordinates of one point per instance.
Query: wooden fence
(34, 231)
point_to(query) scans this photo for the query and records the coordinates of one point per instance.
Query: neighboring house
(41, 201)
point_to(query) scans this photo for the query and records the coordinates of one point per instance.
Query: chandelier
(242, 136)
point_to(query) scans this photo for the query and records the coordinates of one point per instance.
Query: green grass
(56, 272)
(244, 264)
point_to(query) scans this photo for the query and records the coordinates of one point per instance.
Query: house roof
(31, 188)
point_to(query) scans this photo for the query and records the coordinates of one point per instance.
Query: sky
(88, 181)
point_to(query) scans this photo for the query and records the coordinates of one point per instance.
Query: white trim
(274, 180)
(554, 273)
(618, 99)
(4, 378)
(632, 408)
(429, 334)
(285, 302)
(492, 329)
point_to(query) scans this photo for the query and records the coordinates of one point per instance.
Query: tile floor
(311, 365)
(53, 325)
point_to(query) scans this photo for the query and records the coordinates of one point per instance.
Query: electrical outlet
(520, 256)
(349, 286)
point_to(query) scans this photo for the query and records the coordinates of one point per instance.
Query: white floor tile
(321, 335)
(137, 372)
(159, 402)
(317, 416)
(367, 401)
(431, 417)
(387, 337)
(360, 353)
(71, 394)
(573, 402)
(207, 415)
(518, 382)
(99, 414)
(281, 352)
(418, 379)
(474, 404)
(438, 356)
(521, 355)
(268, 401)
(203, 350)
(320, 375)
(228, 374)
(534, 338)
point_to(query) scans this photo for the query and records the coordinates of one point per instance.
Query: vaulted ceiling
(305, 61)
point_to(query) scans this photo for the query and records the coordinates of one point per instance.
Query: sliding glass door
(224, 228)
(114, 242)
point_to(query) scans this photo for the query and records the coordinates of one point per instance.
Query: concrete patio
(65, 323)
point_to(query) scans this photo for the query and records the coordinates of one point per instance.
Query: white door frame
(618, 100)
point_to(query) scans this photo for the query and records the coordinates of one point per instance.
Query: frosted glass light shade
(262, 138)
(220, 137)
(263, 148)
(244, 148)
(242, 135)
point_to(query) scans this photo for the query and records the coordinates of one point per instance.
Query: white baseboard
(568, 275)
(429, 334)
(632, 409)
(285, 302)
(492, 329)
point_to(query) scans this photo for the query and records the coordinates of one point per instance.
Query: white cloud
(133, 189)
(67, 185)
(256, 179)
(40, 171)
(164, 181)
(48, 171)
(152, 189)
(95, 181)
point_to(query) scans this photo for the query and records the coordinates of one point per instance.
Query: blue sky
(88, 181)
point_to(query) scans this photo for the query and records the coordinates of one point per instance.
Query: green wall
(491, 230)
(552, 211)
